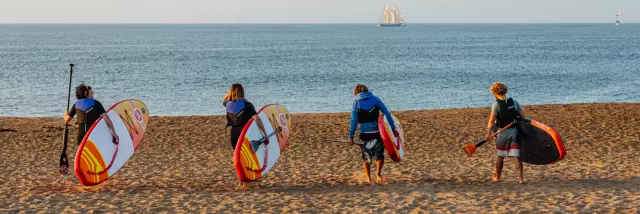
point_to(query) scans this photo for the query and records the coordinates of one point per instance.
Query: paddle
(255, 143)
(341, 141)
(64, 162)
(471, 148)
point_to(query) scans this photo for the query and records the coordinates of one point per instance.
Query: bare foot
(242, 186)
(521, 181)
(379, 179)
(496, 178)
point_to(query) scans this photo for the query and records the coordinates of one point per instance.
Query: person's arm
(252, 111)
(69, 115)
(353, 122)
(107, 120)
(386, 113)
(226, 98)
(519, 109)
(492, 119)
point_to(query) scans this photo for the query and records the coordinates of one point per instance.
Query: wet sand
(184, 164)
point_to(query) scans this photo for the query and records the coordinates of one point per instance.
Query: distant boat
(618, 18)
(390, 17)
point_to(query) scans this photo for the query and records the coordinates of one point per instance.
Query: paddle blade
(469, 149)
(255, 144)
(64, 162)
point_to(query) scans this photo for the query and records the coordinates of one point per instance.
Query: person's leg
(519, 168)
(498, 172)
(379, 164)
(367, 171)
(81, 133)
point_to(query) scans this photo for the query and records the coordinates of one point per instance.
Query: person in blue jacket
(365, 112)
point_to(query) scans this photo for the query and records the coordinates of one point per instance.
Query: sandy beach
(185, 164)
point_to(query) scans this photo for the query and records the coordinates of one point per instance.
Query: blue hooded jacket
(366, 101)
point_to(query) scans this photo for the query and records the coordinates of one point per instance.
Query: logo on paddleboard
(138, 115)
(283, 121)
(144, 110)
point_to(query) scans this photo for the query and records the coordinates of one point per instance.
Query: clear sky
(315, 11)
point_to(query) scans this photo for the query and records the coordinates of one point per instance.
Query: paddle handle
(69, 93)
(494, 134)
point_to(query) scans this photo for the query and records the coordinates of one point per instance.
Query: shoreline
(341, 112)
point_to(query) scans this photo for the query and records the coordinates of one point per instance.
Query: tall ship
(391, 17)
(618, 18)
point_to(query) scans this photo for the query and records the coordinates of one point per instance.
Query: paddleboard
(539, 143)
(250, 165)
(98, 158)
(393, 145)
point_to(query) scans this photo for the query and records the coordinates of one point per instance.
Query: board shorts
(371, 147)
(82, 131)
(508, 145)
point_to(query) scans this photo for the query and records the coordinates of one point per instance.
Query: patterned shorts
(508, 145)
(371, 147)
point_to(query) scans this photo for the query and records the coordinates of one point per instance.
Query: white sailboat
(618, 18)
(390, 17)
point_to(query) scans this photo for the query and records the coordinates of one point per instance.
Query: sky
(315, 11)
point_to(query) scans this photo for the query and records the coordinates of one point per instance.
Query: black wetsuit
(238, 114)
(88, 111)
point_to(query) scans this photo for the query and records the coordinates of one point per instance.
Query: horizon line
(292, 23)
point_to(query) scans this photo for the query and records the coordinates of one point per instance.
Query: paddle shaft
(64, 163)
(494, 134)
(263, 139)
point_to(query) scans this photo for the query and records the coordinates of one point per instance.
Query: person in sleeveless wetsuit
(239, 112)
(503, 112)
(88, 110)
(365, 112)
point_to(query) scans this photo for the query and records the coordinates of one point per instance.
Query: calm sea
(187, 69)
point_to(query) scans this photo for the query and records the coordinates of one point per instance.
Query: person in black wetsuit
(88, 110)
(239, 112)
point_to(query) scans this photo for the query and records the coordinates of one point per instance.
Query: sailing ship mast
(390, 17)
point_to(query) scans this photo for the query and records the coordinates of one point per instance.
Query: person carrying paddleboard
(503, 112)
(88, 110)
(239, 112)
(365, 112)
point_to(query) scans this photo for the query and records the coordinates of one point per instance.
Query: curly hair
(360, 88)
(236, 92)
(82, 91)
(499, 88)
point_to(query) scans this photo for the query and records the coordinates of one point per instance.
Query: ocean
(311, 68)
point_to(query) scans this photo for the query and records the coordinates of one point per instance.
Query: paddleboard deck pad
(393, 145)
(98, 157)
(539, 144)
(254, 156)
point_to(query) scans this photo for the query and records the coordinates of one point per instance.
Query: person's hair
(236, 92)
(499, 88)
(82, 91)
(359, 89)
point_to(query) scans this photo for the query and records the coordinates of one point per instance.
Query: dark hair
(359, 89)
(82, 91)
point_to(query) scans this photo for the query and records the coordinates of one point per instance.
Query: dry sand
(185, 165)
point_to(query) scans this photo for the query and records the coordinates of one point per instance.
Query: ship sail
(390, 17)
(618, 18)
